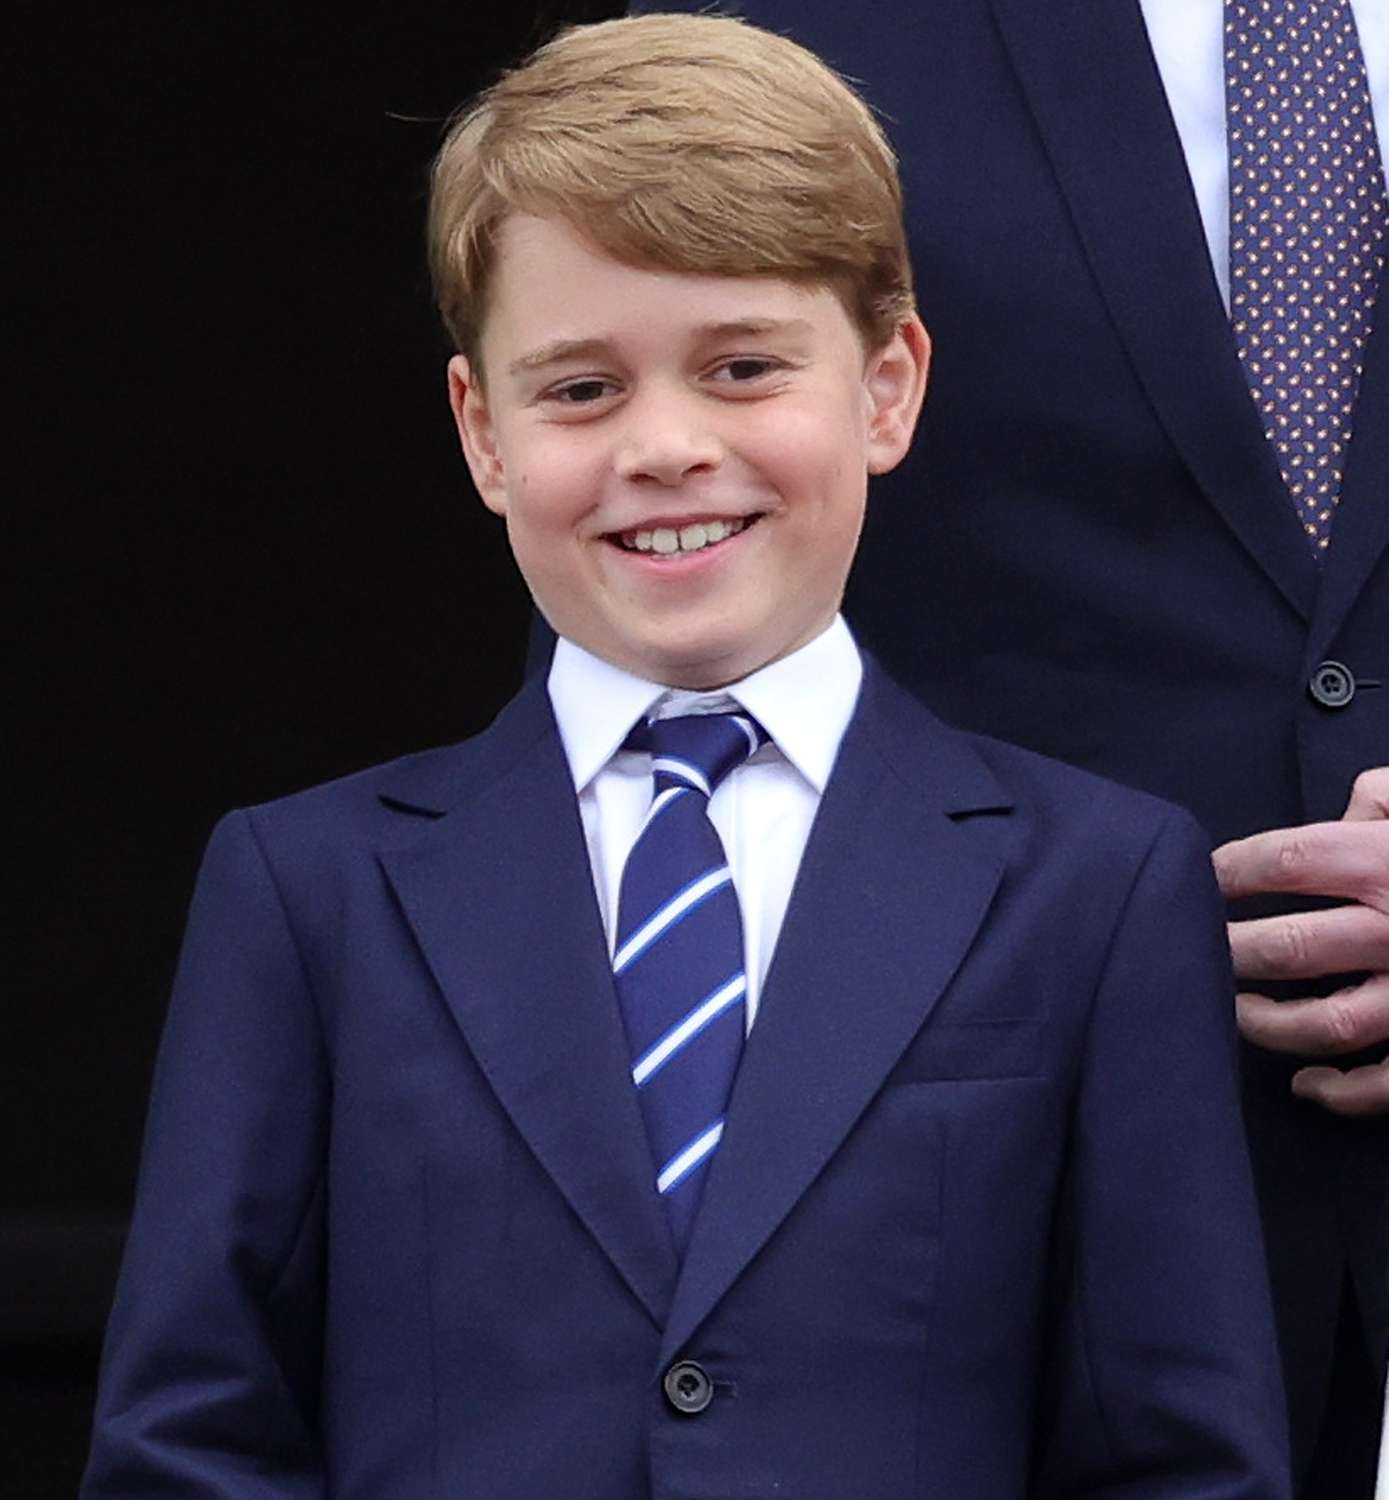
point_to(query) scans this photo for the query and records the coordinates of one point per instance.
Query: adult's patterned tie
(678, 963)
(1307, 232)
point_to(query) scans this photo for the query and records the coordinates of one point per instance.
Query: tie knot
(697, 750)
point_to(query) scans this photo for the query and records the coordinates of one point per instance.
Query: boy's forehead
(553, 289)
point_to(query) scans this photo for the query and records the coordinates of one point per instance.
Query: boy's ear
(476, 434)
(896, 383)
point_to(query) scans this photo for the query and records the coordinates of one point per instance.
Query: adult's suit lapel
(1094, 90)
(500, 897)
(1360, 532)
(895, 882)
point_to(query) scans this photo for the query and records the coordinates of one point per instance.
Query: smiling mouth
(670, 541)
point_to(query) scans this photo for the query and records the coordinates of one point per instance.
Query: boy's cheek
(553, 489)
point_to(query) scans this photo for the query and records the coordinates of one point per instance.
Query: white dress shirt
(1188, 42)
(762, 811)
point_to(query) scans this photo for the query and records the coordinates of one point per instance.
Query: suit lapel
(1097, 97)
(500, 898)
(893, 887)
(1360, 532)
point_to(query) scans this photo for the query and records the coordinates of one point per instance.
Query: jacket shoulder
(1057, 786)
(412, 789)
(1052, 802)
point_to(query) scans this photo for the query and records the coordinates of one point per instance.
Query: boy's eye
(581, 392)
(743, 368)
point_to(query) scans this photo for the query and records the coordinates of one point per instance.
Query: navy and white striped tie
(678, 963)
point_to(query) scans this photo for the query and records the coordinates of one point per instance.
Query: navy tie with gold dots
(1307, 233)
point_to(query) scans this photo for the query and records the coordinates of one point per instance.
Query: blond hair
(690, 143)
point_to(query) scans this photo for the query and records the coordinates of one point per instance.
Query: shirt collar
(804, 701)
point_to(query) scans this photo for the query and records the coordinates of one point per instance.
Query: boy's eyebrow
(552, 353)
(569, 349)
(756, 327)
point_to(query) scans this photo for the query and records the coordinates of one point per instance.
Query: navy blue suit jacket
(981, 1225)
(1090, 550)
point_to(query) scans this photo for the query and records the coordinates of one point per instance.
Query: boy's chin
(702, 670)
(708, 669)
(705, 655)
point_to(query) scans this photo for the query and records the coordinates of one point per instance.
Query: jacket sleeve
(1164, 1377)
(209, 1380)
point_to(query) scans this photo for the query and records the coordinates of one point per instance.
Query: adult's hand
(1349, 859)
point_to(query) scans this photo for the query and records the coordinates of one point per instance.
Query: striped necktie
(678, 963)
(1307, 227)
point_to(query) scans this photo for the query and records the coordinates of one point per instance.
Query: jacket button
(688, 1389)
(1332, 685)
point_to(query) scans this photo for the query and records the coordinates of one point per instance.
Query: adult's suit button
(1332, 685)
(688, 1389)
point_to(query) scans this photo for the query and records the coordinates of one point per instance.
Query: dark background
(246, 554)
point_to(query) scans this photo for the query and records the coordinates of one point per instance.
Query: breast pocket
(959, 1051)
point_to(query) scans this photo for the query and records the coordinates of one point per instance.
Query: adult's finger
(1299, 945)
(1360, 1091)
(1369, 797)
(1327, 1026)
(1349, 858)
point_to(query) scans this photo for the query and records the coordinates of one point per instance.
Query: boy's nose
(666, 442)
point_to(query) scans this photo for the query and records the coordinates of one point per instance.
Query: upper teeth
(665, 539)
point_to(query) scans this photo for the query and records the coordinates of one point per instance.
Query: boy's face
(681, 460)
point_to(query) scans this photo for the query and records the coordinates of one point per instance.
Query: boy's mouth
(668, 541)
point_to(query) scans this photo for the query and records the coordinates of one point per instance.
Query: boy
(717, 1078)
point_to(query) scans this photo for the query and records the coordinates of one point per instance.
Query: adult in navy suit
(1091, 551)
(398, 1229)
